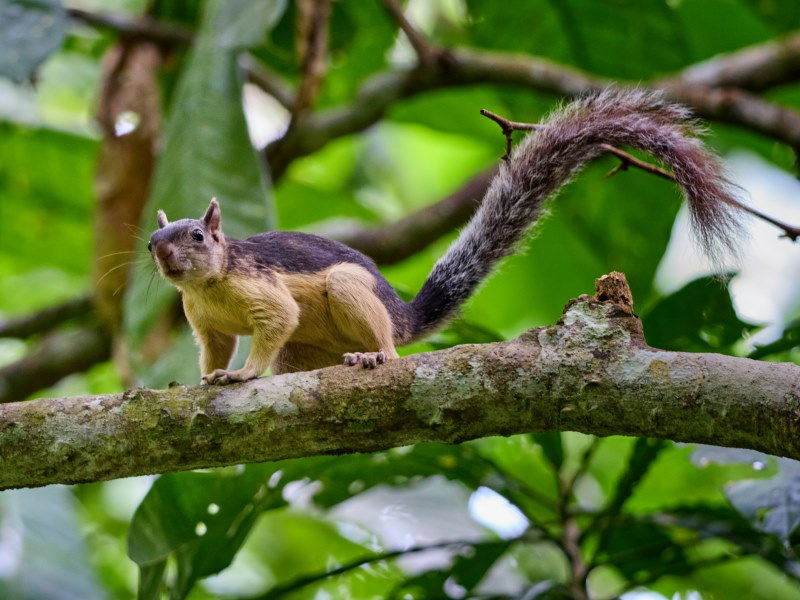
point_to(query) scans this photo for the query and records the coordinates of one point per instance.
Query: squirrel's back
(293, 252)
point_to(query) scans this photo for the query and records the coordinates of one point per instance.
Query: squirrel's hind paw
(368, 360)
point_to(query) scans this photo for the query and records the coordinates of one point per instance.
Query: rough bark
(592, 372)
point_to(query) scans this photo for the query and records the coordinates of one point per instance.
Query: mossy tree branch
(592, 372)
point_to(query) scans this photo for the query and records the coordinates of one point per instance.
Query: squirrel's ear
(162, 219)
(213, 216)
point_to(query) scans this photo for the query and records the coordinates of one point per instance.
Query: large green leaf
(653, 36)
(638, 548)
(43, 551)
(709, 325)
(780, 15)
(552, 447)
(198, 519)
(645, 452)
(30, 30)
(207, 149)
(588, 33)
(357, 473)
(45, 240)
(470, 565)
(773, 505)
(307, 556)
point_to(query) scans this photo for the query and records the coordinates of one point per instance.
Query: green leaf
(781, 15)
(199, 518)
(638, 549)
(353, 474)
(240, 24)
(553, 448)
(150, 579)
(710, 326)
(521, 473)
(645, 452)
(470, 566)
(772, 505)
(207, 151)
(724, 522)
(790, 339)
(308, 557)
(463, 331)
(30, 30)
(704, 454)
(585, 33)
(44, 554)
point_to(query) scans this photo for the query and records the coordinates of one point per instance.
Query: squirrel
(310, 302)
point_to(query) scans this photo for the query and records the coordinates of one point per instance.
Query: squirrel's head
(189, 251)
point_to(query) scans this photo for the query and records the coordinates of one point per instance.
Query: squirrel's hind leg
(360, 315)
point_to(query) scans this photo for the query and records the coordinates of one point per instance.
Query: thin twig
(282, 590)
(426, 52)
(312, 48)
(268, 80)
(508, 127)
(164, 33)
(144, 27)
(628, 160)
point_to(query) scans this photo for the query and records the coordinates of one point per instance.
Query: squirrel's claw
(368, 360)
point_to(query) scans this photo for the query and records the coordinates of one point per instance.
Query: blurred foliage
(497, 518)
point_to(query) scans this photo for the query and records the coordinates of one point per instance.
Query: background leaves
(29, 32)
(632, 512)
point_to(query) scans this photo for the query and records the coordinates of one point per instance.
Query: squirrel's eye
(149, 246)
(197, 235)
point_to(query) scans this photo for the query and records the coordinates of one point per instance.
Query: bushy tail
(548, 158)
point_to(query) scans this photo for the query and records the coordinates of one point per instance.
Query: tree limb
(268, 80)
(391, 243)
(707, 87)
(58, 355)
(311, 41)
(755, 68)
(426, 52)
(46, 319)
(593, 373)
(474, 67)
(144, 28)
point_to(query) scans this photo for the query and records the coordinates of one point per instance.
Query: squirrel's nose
(164, 251)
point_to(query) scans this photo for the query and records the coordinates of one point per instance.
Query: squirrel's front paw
(368, 360)
(224, 377)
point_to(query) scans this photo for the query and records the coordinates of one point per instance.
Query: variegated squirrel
(309, 302)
